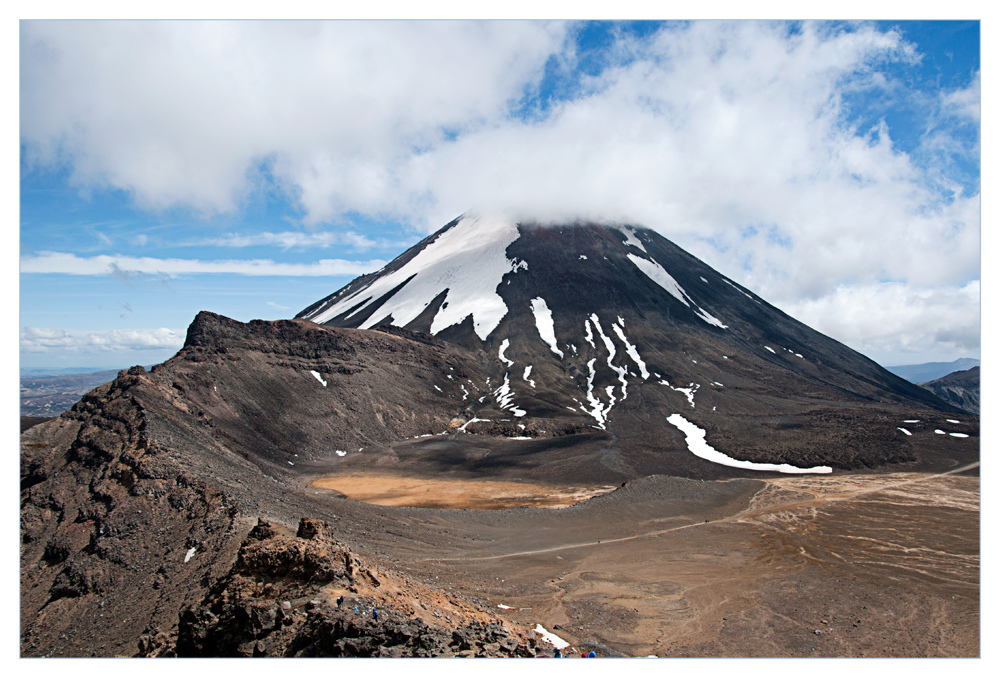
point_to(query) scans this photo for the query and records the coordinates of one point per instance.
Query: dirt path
(852, 565)
(744, 515)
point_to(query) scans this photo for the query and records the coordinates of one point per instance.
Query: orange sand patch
(450, 493)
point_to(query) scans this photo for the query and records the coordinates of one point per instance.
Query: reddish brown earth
(489, 495)
(879, 566)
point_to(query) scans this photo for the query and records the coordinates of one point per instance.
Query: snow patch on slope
(695, 438)
(630, 238)
(318, 377)
(550, 638)
(546, 328)
(610, 345)
(688, 392)
(527, 371)
(469, 260)
(589, 336)
(659, 275)
(633, 353)
(503, 347)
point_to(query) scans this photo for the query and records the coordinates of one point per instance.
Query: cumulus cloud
(125, 267)
(732, 139)
(53, 340)
(891, 319)
(186, 112)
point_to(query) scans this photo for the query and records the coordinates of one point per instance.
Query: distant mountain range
(50, 396)
(918, 374)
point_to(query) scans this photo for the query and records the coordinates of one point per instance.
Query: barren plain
(852, 564)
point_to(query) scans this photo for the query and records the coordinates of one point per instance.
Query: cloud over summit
(761, 147)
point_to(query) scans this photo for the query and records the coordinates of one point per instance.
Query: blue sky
(251, 168)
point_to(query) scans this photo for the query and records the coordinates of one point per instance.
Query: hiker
(340, 601)
(592, 654)
(556, 654)
(374, 614)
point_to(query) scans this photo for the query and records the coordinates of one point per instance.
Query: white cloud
(896, 319)
(713, 129)
(52, 340)
(296, 240)
(181, 112)
(126, 266)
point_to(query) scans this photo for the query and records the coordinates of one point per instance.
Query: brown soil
(852, 565)
(488, 495)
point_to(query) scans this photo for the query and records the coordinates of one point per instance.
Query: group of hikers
(559, 653)
(340, 602)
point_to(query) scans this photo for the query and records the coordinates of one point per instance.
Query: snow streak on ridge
(546, 328)
(658, 274)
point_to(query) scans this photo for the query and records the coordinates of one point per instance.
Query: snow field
(695, 438)
(471, 280)
(550, 638)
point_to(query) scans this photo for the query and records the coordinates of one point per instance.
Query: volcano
(616, 329)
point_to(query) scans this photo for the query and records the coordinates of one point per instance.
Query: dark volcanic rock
(313, 597)
(960, 389)
(136, 500)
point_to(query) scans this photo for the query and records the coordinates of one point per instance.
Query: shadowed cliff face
(960, 389)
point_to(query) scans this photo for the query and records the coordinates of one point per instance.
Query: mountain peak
(591, 324)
